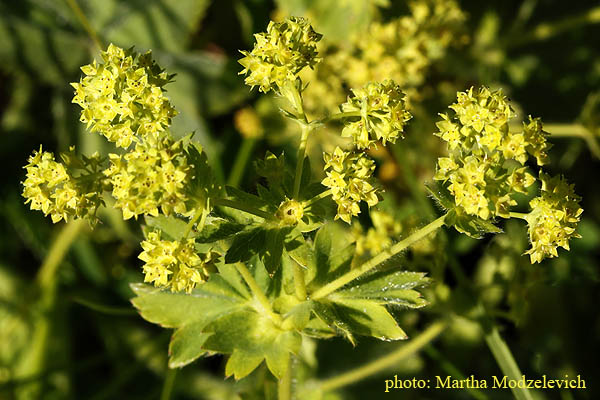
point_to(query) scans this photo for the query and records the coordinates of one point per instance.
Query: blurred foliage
(79, 337)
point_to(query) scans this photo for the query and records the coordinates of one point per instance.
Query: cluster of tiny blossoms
(382, 112)
(123, 98)
(63, 191)
(486, 168)
(150, 177)
(349, 177)
(175, 264)
(553, 218)
(402, 49)
(280, 53)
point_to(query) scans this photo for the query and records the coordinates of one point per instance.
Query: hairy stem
(284, 385)
(85, 23)
(453, 371)
(318, 197)
(575, 130)
(518, 215)
(505, 360)
(406, 350)
(257, 292)
(300, 160)
(33, 361)
(241, 161)
(243, 207)
(548, 29)
(378, 259)
(168, 384)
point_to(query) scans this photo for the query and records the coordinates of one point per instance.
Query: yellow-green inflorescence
(486, 168)
(149, 178)
(382, 114)
(349, 176)
(175, 264)
(280, 54)
(553, 218)
(123, 98)
(64, 191)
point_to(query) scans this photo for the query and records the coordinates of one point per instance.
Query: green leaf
(256, 336)
(472, 226)
(172, 310)
(441, 194)
(367, 318)
(186, 345)
(171, 227)
(334, 250)
(394, 288)
(217, 228)
(242, 363)
(327, 313)
(246, 244)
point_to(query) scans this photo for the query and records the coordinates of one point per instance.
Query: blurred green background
(80, 338)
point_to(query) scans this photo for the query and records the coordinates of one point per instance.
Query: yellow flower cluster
(280, 53)
(150, 177)
(382, 114)
(56, 189)
(553, 219)
(122, 98)
(486, 163)
(349, 178)
(175, 264)
(402, 49)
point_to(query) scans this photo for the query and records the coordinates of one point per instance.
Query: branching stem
(243, 207)
(378, 259)
(257, 292)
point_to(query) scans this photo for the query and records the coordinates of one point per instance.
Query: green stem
(338, 116)
(406, 350)
(300, 160)
(452, 370)
(47, 272)
(318, 197)
(284, 385)
(241, 161)
(257, 292)
(33, 361)
(243, 207)
(85, 23)
(505, 360)
(575, 130)
(299, 282)
(190, 225)
(518, 215)
(378, 259)
(168, 384)
(547, 30)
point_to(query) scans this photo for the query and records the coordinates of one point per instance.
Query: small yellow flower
(122, 98)
(175, 264)
(553, 218)
(349, 177)
(383, 114)
(149, 178)
(63, 192)
(280, 54)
